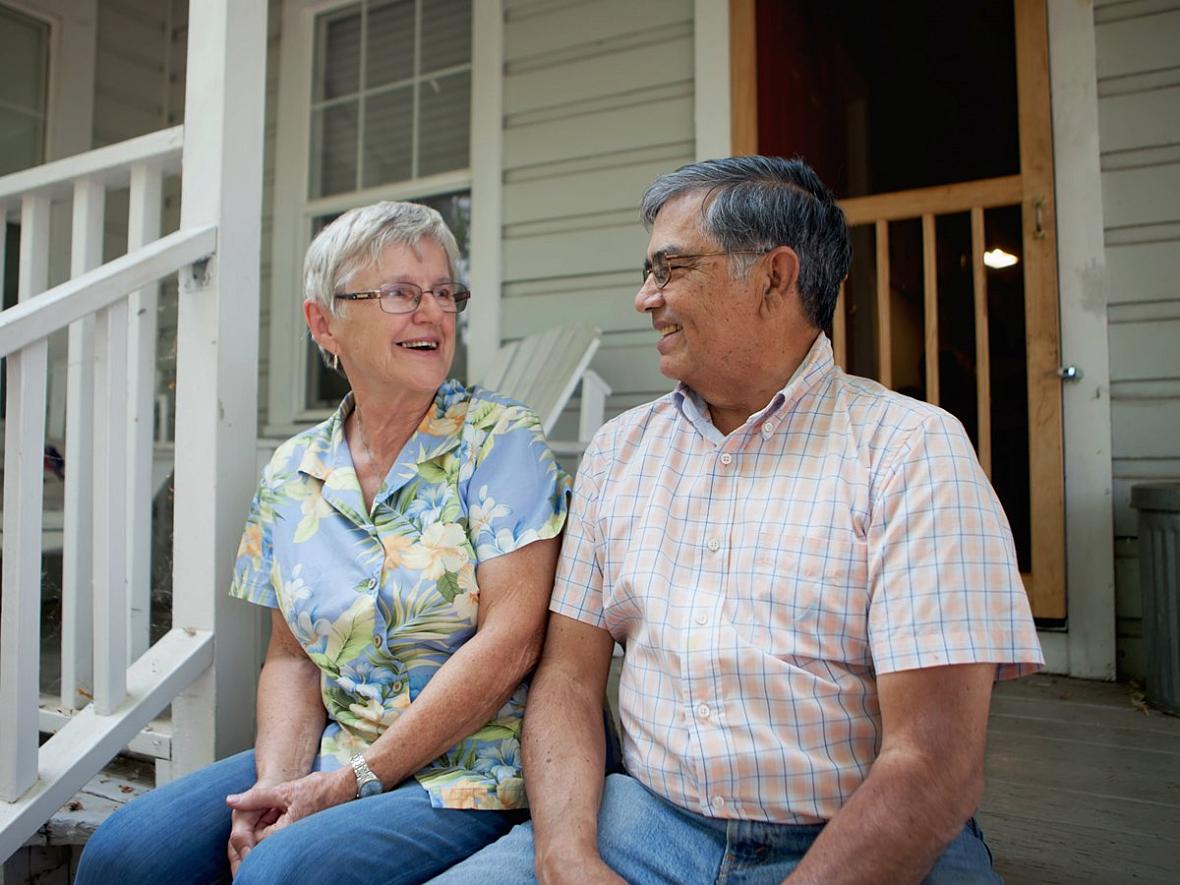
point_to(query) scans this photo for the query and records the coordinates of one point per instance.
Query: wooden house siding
(1138, 60)
(597, 102)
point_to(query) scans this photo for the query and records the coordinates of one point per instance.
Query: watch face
(372, 788)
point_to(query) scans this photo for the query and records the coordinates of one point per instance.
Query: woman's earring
(336, 362)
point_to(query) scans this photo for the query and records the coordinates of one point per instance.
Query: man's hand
(266, 808)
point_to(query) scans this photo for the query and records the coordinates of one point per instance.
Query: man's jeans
(647, 839)
(179, 833)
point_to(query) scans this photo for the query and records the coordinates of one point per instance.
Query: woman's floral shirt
(381, 599)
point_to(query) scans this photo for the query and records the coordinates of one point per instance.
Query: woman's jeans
(179, 833)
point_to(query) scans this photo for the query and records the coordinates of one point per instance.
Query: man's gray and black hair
(758, 203)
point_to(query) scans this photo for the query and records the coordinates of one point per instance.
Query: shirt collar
(815, 366)
(328, 458)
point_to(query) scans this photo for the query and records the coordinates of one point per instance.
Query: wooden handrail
(986, 193)
(110, 165)
(44, 314)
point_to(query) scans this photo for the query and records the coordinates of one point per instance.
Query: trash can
(1159, 579)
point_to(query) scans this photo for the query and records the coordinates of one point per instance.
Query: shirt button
(768, 428)
(377, 640)
(702, 619)
(718, 802)
(703, 711)
(371, 583)
(727, 458)
(714, 545)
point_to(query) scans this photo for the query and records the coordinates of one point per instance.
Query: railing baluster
(110, 545)
(884, 328)
(143, 227)
(930, 279)
(77, 611)
(983, 386)
(839, 331)
(24, 460)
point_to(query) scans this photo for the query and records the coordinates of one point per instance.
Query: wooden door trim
(1046, 465)
(743, 77)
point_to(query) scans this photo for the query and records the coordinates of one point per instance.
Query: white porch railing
(109, 675)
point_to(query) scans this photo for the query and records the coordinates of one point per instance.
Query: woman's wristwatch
(367, 783)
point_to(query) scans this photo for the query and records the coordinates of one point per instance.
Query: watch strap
(364, 777)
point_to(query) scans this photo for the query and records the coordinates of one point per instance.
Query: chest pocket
(806, 597)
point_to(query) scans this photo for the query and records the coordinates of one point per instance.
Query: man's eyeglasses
(660, 267)
(405, 297)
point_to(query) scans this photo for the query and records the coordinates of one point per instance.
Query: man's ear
(783, 271)
(781, 280)
(319, 324)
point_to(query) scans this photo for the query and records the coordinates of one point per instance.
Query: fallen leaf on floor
(74, 805)
(1139, 702)
(126, 789)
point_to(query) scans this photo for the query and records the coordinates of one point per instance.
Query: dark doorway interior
(882, 97)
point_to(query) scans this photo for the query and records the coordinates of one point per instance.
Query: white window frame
(294, 213)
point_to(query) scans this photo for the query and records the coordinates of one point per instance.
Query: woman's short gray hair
(758, 203)
(355, 241)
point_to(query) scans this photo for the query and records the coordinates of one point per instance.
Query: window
(380, 100)
(391, 93)
(24, 92)
(24, 81)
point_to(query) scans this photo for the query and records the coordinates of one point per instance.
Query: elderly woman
(406, 548)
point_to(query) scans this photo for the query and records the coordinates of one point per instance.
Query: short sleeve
(252, 569)
(577, 591)
(943, 581)
(517, 493)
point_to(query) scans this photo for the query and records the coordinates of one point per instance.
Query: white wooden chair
(544, 369)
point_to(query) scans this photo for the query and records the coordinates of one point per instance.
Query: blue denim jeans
(646, 839)
(178, 834)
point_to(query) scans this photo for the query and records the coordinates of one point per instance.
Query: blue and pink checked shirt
(760, 580)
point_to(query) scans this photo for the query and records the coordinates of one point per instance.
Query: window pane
(444, 123)
(24, 61)
(446, 34)
(389, 43)
(389, 136)
(22, 141)
(333, 154)
(338, 53)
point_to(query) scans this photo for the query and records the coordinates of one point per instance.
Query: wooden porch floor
(1083, 785)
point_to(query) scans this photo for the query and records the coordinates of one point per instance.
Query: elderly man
(812, 578)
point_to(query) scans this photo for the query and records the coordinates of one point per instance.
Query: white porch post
(217, 370)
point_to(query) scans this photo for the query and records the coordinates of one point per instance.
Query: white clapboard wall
(1138, 59)
(597, 102)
